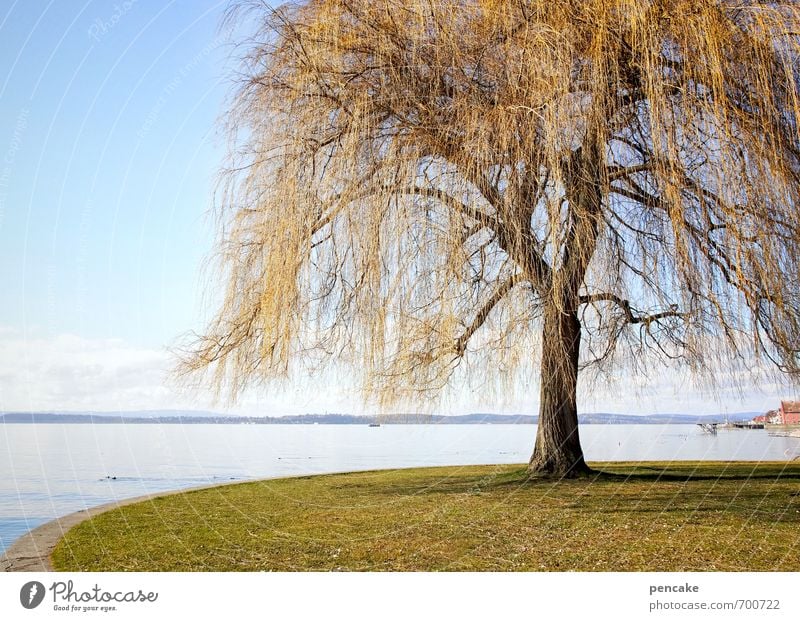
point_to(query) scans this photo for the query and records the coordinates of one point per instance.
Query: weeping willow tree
(417, 183)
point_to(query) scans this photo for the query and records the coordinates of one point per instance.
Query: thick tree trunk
(558, 452)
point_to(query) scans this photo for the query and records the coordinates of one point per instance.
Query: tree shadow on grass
(508, 480)
(701, 474)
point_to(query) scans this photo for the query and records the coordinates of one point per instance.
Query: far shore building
(789, 413)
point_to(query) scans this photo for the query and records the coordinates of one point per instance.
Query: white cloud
(69, 372)
(73, 373)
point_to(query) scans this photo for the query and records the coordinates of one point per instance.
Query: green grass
(634, 517)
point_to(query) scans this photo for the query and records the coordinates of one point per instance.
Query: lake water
(50, 470)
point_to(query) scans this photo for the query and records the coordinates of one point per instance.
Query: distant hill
(128, 414)
(179, 417)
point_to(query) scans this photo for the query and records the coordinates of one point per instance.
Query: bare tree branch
(630, 316)
(483, 313)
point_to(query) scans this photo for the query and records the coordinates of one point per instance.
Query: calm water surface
(50, 470)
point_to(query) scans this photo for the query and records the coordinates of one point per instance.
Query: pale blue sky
(108, 152)
(109, 149)
(107, 156)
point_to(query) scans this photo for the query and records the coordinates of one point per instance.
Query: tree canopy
(413, 183)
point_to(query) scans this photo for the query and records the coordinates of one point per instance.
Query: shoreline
(31, 551)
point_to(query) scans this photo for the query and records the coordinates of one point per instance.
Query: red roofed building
(789, 414)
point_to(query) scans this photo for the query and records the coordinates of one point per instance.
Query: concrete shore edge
(32, 551)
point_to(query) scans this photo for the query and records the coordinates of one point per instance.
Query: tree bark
(558, 452)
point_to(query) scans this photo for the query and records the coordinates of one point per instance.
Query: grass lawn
(682, 516)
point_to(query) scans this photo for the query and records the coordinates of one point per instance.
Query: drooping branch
(514, 235)
(618, 172)
(451, 202)
(522, 248)
(483, 313)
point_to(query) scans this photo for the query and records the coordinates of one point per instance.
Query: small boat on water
(374, 424)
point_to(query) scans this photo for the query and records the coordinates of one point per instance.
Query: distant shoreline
(190, 418)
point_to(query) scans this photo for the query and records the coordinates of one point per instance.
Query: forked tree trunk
(558, 451)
